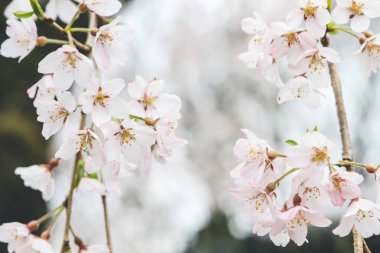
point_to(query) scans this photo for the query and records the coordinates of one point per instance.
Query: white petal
(359, 23)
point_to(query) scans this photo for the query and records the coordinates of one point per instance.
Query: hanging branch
(344, 133)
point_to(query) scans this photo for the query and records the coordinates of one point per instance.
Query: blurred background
(184, 205)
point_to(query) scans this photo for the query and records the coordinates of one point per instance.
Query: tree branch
(69, 201)
(344, 133)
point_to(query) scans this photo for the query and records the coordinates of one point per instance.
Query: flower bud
(45, 235)
(83, 8)
(52, 164)
(33, 225)
(94, 31)
(41, 41)
(368, 34)
(371, 168)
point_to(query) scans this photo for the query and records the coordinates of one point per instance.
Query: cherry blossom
(300, 88)
(80, 141)
(358, 11)
(149, 101)
(109, 44)
(58, 114)
(43, 90)
(344, 186)
(166, 141)
(103, 8)
(314, 64)
(252, 151)
(259, 201)
(38, 177)
(368, 55)
(363, 215)
(22, 38)
(63, 9)
(16, 235)
(290, 41)
(315, 151)
(67, 65)
(102, 100)
(127, 138)
(295, 221)
(313, 13)
(309, 187)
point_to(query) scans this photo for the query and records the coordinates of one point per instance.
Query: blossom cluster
(110, 126)
(318, 180)
(299, 42)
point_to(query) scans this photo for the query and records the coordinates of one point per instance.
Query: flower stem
(81, 29)
(49, 214)
(71, 22)
(136, 117)
(286, 174)
(55, 218)
(346, 30)
(56, 42)
(69, 201)
(107, 223)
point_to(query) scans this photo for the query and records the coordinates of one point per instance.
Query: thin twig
(107, 223)
(50, 22)
(344, 133)
(366, 248)
(69, 201)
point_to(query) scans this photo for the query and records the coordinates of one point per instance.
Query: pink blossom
(127, 138)
(358, 11)
(315, 151)
(58, 114)
(102, 100)
(344, 186)
(259, 201)
(295, 220)
(166, 140)
(67, 65)
(42, 90)
(313, 13)
(363, 215)
(22, 38)
(149, 101)
(314, 64)
(80, 141)
(109, 44)
(252, 152)
(38, 177)
(290, 42)
(368, 55)
(300, 88)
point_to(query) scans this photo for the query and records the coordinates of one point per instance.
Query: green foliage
(291, 142)
(23, 14)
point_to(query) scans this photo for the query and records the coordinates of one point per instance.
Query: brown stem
(50, 22)
(107, 223)
(344, 133)
(69, 201)
(366, 248)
